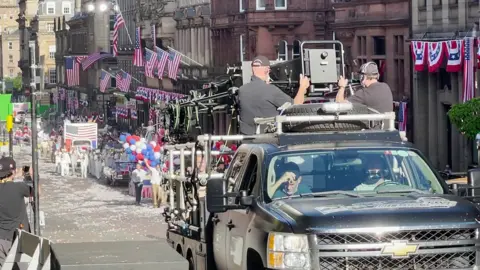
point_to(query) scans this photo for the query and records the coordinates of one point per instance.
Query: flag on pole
(150, 62)
(162, 57)
(119, 22)
(173, 65)
(154, 34)
(123, 81)
(138, 55)
(94, 57)
(104, 81)
(73, 71)
(468, 70)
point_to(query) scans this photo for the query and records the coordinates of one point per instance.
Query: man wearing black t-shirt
(12, 205)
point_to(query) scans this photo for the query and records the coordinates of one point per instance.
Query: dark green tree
(466, 117)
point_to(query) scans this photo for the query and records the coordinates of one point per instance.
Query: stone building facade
(193, 38)
(435, 93)
(238, 28)
(10, 54)
(376, 31)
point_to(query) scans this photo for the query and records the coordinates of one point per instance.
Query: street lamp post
(35, 176)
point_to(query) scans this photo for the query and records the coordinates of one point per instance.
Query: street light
(103, 6)
(90, 7)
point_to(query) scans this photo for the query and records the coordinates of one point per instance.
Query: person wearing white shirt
(157, 190)
(137, 179)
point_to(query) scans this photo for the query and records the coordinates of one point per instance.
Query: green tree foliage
(17, 82)
(466, 117)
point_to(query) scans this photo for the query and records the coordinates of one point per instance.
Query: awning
(94, 57)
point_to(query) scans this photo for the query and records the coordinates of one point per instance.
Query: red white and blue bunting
(122, 112)
(153, 95)
(432, 55)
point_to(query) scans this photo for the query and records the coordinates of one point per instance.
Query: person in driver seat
(375, 174)
(290, 182)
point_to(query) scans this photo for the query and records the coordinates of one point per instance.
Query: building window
(11, 73)
(10, 58)
(51, 51)
(399, 45)
(242, 48)
(52, 75)
(296, 49)
(241, 3)
(10, 45)
(66, 7)
(378, 45)
(282, 50)
(50, 8)
(50, 27)
(280, 4)
(361, 45)
(261, 5)
(444, 79)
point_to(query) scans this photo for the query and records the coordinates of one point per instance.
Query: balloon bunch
(220, 146)
(138, 149)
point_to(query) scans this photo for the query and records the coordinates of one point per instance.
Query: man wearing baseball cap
(12, 205)
(376, 95)
(259, 98)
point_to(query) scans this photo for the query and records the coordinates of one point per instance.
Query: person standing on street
(157, 189)
(138, 175)
(376, 95)
(12, 205)
(259, 98)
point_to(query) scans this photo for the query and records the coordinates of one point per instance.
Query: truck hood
(310, 214)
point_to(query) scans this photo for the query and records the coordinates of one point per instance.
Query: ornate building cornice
(150, 10)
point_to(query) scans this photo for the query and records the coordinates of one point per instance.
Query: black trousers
(138, 192)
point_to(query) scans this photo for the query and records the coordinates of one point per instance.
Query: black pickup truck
(352, 200)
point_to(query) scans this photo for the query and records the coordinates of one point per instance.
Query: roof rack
(388, 120)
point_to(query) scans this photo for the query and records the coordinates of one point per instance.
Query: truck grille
(426, 249)
(420, 235)
(457, 260)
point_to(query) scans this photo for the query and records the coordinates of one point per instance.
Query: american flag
(468, 72)
(138, 55)
(162, 57)
(104, 81)
(150, 62)
(133, 114)
(173, 65)
(154, 34)
(119, 22)
(81, 132)
(123, 81)
(73, 71)
(94, 57)
(402, 116)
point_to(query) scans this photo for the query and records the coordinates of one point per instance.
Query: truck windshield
(359, 171)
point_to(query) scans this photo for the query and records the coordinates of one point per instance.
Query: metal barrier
(31, 252)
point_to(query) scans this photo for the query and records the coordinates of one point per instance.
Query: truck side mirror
(217, 196)
(473, 180)
(245, 199)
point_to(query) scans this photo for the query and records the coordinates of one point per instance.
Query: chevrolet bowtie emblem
(399, 249)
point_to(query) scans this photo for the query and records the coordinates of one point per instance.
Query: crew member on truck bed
(258, 98)
(376, 95)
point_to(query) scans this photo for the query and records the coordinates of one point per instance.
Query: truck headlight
(287, 251)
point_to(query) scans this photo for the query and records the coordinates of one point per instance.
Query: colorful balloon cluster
(139, 150)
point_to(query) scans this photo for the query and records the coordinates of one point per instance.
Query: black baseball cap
(7, 166)
(260, 61)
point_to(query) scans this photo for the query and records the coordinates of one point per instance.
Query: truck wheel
(314, 109)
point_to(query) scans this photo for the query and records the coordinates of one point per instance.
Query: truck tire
(314, 109)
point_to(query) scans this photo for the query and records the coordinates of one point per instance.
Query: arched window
(282, 50)
(296, 49)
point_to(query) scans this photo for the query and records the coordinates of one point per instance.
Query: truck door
(239, 219)
(220, 220)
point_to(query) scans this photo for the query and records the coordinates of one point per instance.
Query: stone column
(208, 46)
(420, 121)
(432, 119)
(462, 14)
(414, 12)
(445, 8)
(201, 45)
(429, 12)
(456, 140)
(442, 135)
(192, 41)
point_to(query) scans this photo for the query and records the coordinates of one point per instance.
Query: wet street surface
(87, 210)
